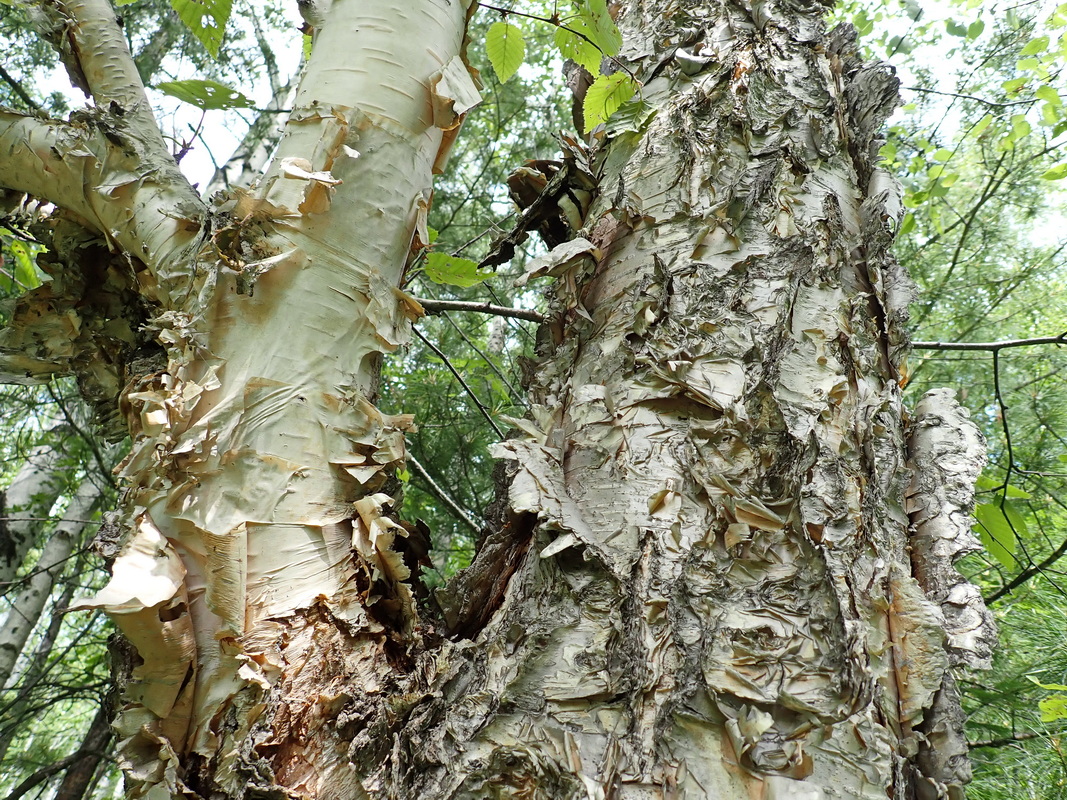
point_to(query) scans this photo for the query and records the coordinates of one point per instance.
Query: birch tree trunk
(259, 461)
(704, 585)
(28, 497)
(28, 606)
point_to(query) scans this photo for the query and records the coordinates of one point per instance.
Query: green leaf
(506, 48)
(1016, 492)
(579, 50)
(454, 271)
(955, 28)
(605, 34)
(944, 154)
(1056, 173)
(205, 95)
(974, 30)
(1052, 687)
(995, 533)
(25, 270)
(907, 225)
(605, 96)
(1034, 46)
(1048, 94)
(1014, 85)
(206, 19)
(1053, 707)
(982, 124)
(631, 117)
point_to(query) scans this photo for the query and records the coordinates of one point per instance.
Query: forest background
(976, 145)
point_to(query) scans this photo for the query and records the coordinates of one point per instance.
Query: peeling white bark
(260, 472)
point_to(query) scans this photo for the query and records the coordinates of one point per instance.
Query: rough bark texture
(718, 600)
(260, 583)
(701, 585)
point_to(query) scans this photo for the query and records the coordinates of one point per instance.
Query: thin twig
(440, 306)
(16, 87)
(463, 383)
(442, 495)
(43, 774)
(969, 97)
(991, 346)
(1015, 737)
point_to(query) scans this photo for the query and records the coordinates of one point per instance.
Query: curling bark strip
(718, 600)
(261, 474)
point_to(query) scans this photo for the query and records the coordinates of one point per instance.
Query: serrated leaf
(1056, 173)
(453, 270)
(205, 95)
(1035, 46)
(605, 96)
(506, 49)
(1048, 94)
(1015, 518)
(579, 50)
(631, 117)
(206, 19)
(995, 533)
(955, 28)
(604, 33)
(1014, 85)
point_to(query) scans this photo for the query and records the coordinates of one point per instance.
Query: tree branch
(44, 773)
(35, 161)
(87, 32)
(442, 495)
(138, 200)
(991, 346)
(990, 103)
(16, 87)
(1015, 737)
(441, 306)
(463, 383)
